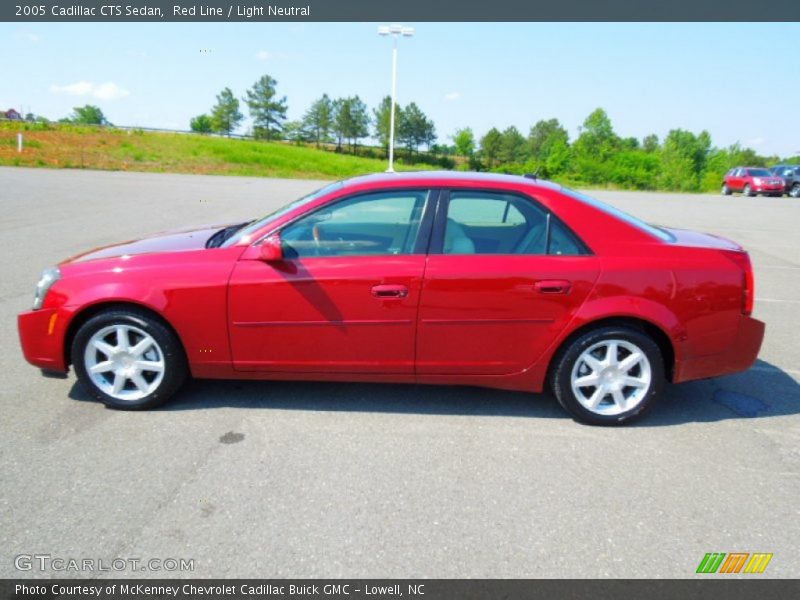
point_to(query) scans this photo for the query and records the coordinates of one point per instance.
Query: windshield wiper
(219, 237)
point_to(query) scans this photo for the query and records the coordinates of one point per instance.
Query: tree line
(598, 156)
(682, 161)
(341, 121)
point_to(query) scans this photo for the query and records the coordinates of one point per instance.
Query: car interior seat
(456, 240)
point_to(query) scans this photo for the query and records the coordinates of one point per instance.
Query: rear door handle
(552, 286)
(389, 291)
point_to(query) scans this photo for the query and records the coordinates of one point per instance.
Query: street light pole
(394, 102)
(395, 31)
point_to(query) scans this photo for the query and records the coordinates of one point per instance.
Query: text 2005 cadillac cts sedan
(437, 278)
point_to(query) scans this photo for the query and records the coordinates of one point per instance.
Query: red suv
(752, 181)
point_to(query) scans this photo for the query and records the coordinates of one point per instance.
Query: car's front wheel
(795, 191)
(128, 359)
(747, 191)
(608, 376)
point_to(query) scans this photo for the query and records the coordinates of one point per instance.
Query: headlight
(757, 180)
(46, 281)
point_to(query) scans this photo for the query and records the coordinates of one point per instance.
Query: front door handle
(389, 291)
(552, 286)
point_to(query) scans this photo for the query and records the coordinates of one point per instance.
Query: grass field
(67, 146)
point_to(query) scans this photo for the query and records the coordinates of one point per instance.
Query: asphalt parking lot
(339, 480)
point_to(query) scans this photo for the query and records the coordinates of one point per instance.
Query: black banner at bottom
(386, 589)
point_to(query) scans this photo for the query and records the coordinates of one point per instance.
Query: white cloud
(102, 91)
(81, 88)
(109, 91)
(452, 96)
(263, 55)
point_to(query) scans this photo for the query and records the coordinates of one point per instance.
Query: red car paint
(494, 320)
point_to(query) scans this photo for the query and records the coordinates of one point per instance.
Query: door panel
(737, 181)
(486, 314)
(353, 314)
(508, 281)
(344, 298)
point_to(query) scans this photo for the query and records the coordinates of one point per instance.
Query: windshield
(623, 216)
(759, 173)
(259, 223)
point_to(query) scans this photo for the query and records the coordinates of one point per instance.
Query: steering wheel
(320, 246)
(316, 234)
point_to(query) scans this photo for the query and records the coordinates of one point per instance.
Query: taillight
(742, 260)
(749, 290)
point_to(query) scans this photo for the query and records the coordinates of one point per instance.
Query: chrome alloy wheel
(611, 377)
(124, 361)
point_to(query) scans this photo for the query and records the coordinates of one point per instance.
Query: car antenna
(534, 175)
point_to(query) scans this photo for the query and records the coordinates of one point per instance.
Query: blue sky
(739, 81)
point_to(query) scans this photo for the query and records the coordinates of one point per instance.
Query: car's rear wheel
(747, 191)
(128, 359)
(795, 191)
(726, 190)
(608, 376)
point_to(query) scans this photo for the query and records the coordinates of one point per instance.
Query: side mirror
(270, 249)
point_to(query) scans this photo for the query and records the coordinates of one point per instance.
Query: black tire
(170, 352)
(747, 191)
(569, 355)
(726, 191)
(795, 191)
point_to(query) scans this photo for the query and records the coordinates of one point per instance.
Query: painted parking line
(783, 267)
(777, 301)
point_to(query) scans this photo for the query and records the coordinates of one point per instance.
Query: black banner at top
(398, 10)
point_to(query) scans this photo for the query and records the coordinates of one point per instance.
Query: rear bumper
(41, 334)
(739, 356)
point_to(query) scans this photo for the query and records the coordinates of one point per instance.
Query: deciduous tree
(464, 141)
(490, 146)
(88, 115)
(512, 146)
(543, 136)
(201, 124)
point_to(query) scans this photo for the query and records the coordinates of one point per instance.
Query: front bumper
(769, 189)
(41, 334)
(739, 356)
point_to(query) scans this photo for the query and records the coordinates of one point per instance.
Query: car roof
(449, 178)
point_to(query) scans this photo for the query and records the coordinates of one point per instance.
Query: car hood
(173, 241)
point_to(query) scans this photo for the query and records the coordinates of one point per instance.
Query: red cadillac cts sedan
(437, 278)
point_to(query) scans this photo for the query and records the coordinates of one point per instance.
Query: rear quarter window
(654, 231)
